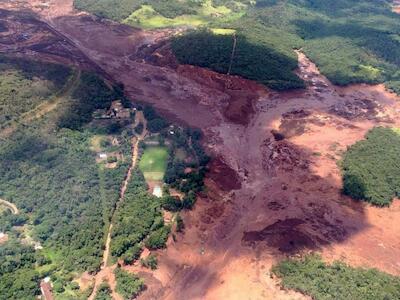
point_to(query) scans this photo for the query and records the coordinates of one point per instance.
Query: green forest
(128, 285)
(371, 167)
(48, 170)
(322, 281)
(19, 278)
(351, 41)
(26, 84)
(138, 221)
(136, 218)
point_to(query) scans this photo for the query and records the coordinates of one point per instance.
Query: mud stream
(274, 185)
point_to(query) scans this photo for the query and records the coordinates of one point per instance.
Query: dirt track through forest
(11, 206)
(286, 198)
(107, 272)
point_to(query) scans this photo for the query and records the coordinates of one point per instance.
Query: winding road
(12, 207)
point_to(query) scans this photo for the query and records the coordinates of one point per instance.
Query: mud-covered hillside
(351, 41)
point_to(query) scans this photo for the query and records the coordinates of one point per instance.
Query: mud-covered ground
(274, 185)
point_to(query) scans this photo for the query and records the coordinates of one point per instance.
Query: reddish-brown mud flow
(274, 187)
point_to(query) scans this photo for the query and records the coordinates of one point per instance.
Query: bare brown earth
(3, 238)
(396, 6)
(274, 189)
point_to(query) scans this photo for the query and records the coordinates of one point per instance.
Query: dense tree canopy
(371, 167)
(18, 277)
(128, 285)
(321, 281)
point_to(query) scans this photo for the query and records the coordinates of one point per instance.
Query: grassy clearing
(223, 31)
(146, 17)
(96, 141)
(313, 277)
(154, 163)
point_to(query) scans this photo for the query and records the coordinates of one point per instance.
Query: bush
(132, 254)
(150, 262)
(104, 292)
(180, 225)
(139, 128)
(74, 286)
(189, 200)
(156, 125)
(128, 285)
(157, 239)
(171, 203)
(112, 159)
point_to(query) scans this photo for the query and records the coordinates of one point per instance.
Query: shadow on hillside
(382, 43)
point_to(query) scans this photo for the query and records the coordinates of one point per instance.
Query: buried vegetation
(371, 167)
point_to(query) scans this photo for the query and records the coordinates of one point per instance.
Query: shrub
(150, 262)
(131, 255)
(180, 225)
(139, 128)
(111, 159)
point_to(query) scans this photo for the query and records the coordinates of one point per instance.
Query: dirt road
(11, 206)
(275, 190)
(107, 271)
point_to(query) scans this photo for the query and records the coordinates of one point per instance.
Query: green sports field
(154, 163)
